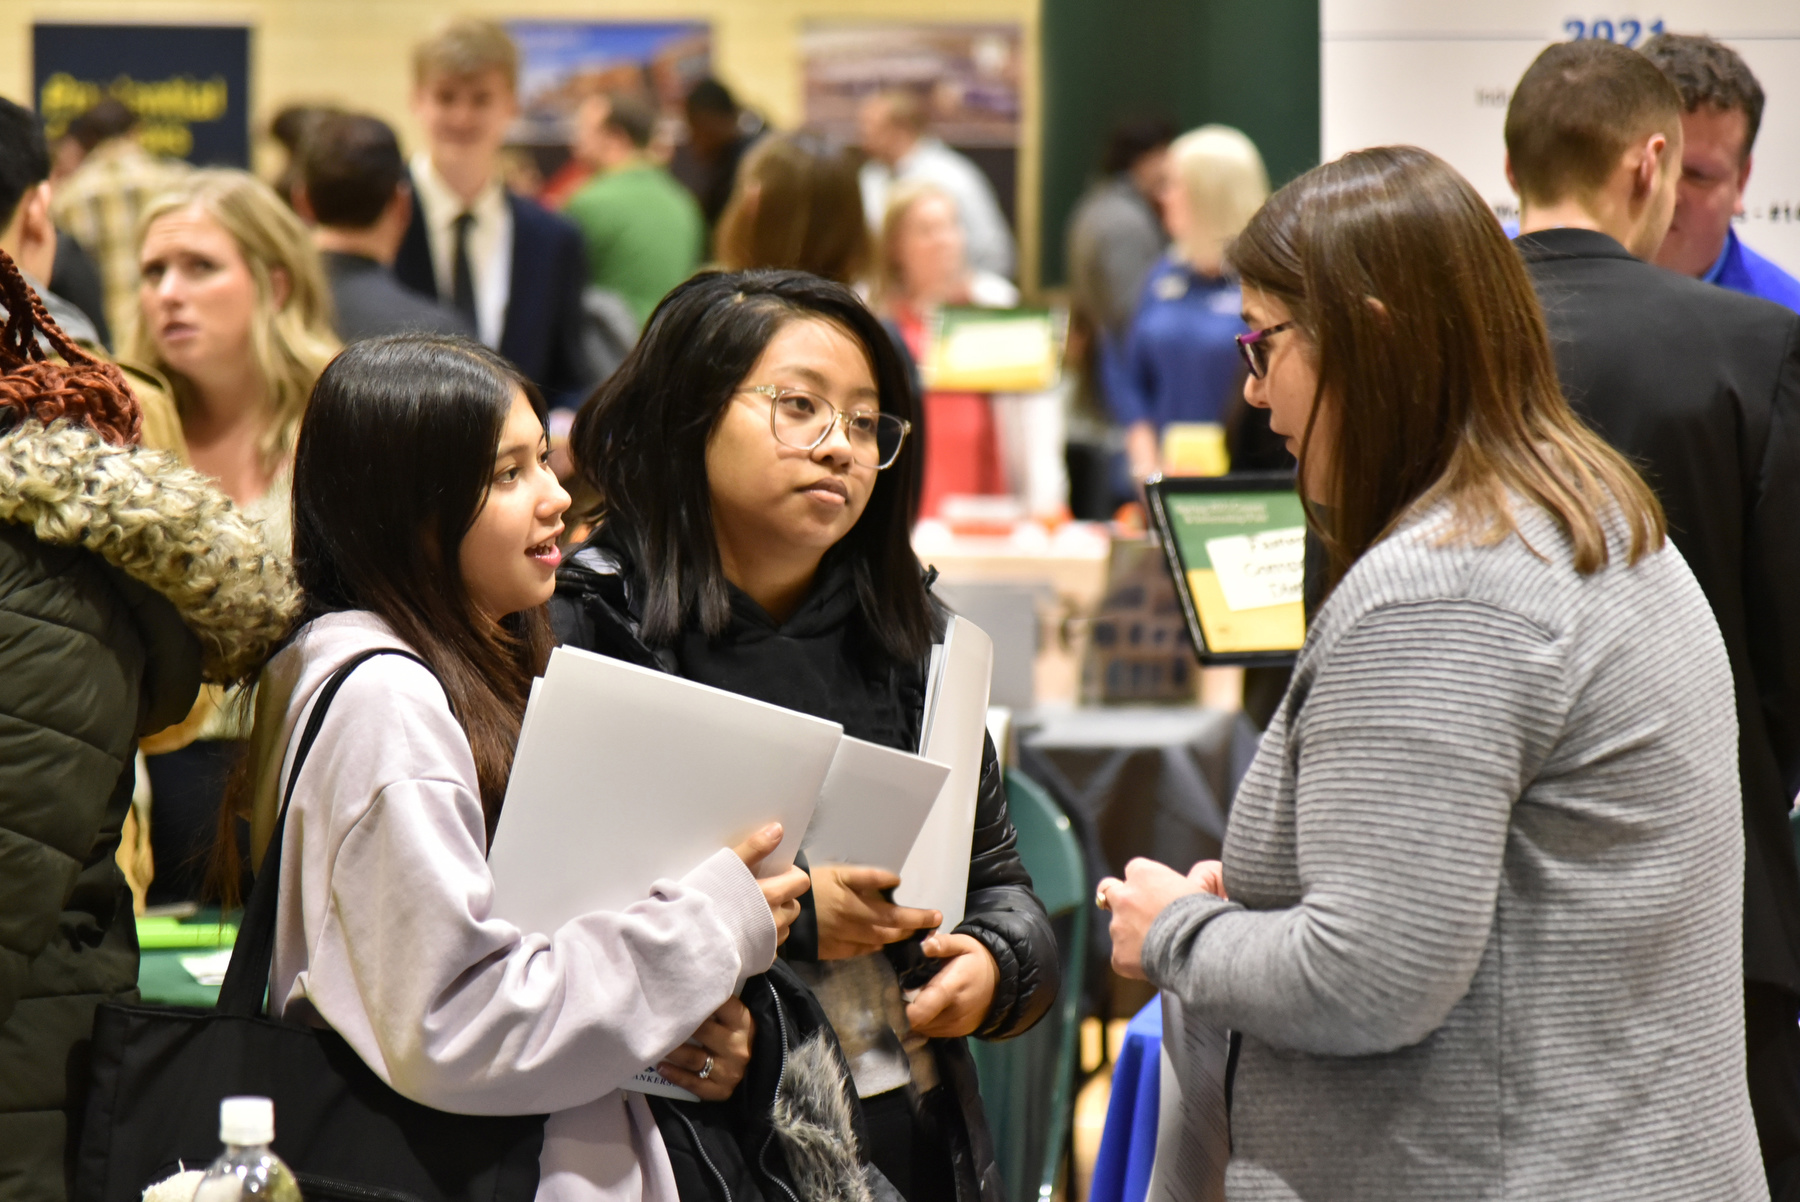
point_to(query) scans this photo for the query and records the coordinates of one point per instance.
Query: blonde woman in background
(976, 444)
(1179, 362)
(923, 257)
(233, 309)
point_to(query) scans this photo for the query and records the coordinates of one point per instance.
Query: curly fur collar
(164, 525)
(812, 1117)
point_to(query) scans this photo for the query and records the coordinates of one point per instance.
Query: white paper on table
(1193, 1129)
(625, 776)
(208, 969)
(936, 873)
(1259, 570)
(872, 806)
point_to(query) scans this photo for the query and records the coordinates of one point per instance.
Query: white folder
(935, 875)
(625, 775)
(874, 802)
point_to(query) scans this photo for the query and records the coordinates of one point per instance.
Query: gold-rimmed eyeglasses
(804, 420)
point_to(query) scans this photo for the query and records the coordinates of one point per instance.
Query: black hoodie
(824, 661)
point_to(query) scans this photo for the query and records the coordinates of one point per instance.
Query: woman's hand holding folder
(854, 916)
(782, 891)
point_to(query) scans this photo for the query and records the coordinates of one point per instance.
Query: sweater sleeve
(465, 1012)
(1417, 737)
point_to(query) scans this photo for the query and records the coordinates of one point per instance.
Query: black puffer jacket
(832, 668)
(790, 1131)
(112, 599)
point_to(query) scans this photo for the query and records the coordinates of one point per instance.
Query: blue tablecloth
(1128, 1144)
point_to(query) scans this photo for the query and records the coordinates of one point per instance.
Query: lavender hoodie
(385, 933)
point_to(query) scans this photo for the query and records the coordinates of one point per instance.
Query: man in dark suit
(1700, 387)
(353, 189)
(513, 270)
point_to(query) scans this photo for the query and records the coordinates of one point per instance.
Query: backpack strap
(246, 984)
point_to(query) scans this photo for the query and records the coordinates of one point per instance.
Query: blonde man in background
(514, 270)
(1179, 361)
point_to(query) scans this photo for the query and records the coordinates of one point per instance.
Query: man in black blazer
(1700, 387)
(353, 190)
(513, 270)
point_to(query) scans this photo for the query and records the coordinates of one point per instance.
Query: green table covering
(161, 978)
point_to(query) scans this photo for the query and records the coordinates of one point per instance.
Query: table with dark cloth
(1136, 781)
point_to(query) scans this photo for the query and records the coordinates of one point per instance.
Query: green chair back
(1028, 1083)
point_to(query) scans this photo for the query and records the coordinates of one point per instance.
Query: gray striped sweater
(1486, 884)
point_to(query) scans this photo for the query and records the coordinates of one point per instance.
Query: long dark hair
(640, 441)
(797, 205)
(392, 467)
(1435, 367)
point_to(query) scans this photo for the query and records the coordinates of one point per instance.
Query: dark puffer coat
(832, 668)
(90, 658)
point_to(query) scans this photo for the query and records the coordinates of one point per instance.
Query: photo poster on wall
(970, 77)
(188, 84)
(1439, 74)
(563, 62)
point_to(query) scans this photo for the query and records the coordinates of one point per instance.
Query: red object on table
(962, 441)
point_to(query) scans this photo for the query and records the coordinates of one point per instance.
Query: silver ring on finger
(706, 1069)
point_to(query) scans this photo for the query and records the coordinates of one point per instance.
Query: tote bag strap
(247, 979)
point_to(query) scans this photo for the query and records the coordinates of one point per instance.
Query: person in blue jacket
(1722, 109)
(1179, 361)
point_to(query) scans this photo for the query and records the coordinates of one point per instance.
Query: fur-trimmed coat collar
(164, 525)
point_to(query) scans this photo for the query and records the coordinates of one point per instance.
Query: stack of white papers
(625, 776)
(874, 802)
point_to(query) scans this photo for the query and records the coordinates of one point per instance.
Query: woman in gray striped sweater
(1477, 918)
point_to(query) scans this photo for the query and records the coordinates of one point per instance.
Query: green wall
(1249, 63)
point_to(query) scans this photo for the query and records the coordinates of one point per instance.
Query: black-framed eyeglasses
(1256, 355)
(803, 421)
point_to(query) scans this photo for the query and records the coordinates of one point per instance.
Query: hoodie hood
(829, 603)
(166, 526)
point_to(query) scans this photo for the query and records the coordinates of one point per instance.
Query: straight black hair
(392, 467)
(641, 440)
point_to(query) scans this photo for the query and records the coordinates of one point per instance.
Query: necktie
(462, 283)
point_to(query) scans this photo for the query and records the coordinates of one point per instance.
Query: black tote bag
(158, 1073)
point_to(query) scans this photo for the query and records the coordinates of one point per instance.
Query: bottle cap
(246, 1121)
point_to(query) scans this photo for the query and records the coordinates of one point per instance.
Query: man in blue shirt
(1724, 106)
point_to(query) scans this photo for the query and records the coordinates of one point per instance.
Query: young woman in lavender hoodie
(426, 519)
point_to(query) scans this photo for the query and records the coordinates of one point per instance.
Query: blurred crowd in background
(557, 264)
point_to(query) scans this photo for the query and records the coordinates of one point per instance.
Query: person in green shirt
(644, 231)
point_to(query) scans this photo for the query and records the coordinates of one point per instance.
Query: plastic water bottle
(247, 1169)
